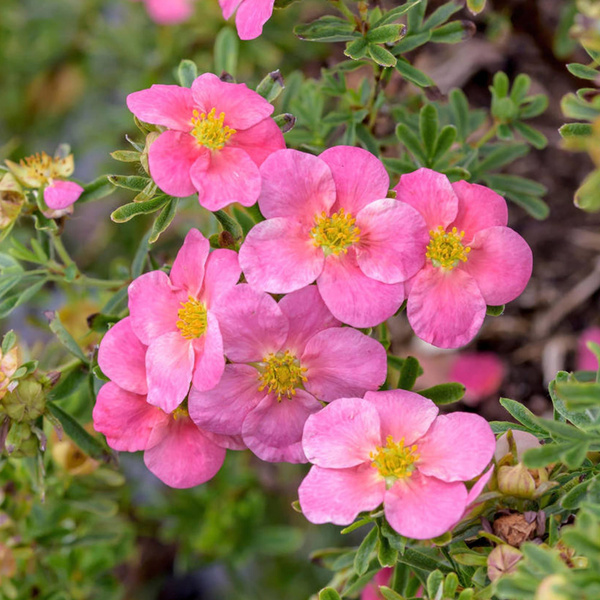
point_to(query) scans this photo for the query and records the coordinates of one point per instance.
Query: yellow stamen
(394, 460)
(209, 130)
(281, 373)
(446, 249)
(192, 319)
(181, 412)
(335, 234)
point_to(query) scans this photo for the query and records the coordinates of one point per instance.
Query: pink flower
(392, 447)
(328, 219)
(371, 591)
(251, 15)
(284, 358)
(174, 315)
(175, 450)
(169, 12)
(586, 359)
(473, 259)
(217, 135)
(480, 372)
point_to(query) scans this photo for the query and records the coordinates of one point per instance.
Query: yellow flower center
(394, 460)
(192, 319)
(209, 130)
(446, 249)
(181, 412)
(281, 373)
(335, 233)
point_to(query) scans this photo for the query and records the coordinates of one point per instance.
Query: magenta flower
(392, 447)
(371, 591)
(480, 372)
(251, 15)
(586, 359)
(217, 135)
(175, 449)
(284, 358)
(174, 315)
(328, 219)
(473, 259)
(169, 12)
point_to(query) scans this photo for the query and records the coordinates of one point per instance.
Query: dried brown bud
(514, 529)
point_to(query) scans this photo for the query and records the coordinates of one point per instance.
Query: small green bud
(26, 402)
(516, 481)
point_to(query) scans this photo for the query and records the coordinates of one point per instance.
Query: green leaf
(443, 143)
(475, 6)
(535, 206)
(412, 143)
(125, 156)
(8, 341)
(96, 189)
(187, 71)
(495, 311)
(533, 106)
(381, 56)
(520, 87)
(435, 583)
(450, 585)
(135, 209)
(410, 42)
(329, 593)
(500, 84)
(514, 183)
(10, 303)
(395, 13)
(64, 337)
(575, 108)
(536, 458)
(408, 373)
(453, 32)
(166, 215)
(523, 415)
(70, 381)
(365, 551)
(579, 396)
(129, 182)
(444, 393)
(428, 127)
(442, 14)
(582, 71)
(271, 86)
(285, 122)
(385, 34)
(390, 594)
(413, 74)
(357, 49)
(587, 196)
(226, 51)
(415, 16)
(535, 138)
(576, 130)
(326, 29)
(460, 110)
(575, 496)
(423, 558)
(229, 224)
(502, 155)
(386, 554)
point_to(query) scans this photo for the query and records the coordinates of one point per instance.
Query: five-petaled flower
(250, 17)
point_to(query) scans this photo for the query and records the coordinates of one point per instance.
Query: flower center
(335, 233)
(394, 460)
(192, 319)
(281, 373)
(209, 130)
(181, 412)
(446, 249)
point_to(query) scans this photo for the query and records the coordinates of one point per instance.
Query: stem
(83, 280)
(339, 4)
(62, 251)
(487, 136)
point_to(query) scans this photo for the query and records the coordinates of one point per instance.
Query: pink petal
(125, 419)
(122, 358)
(421, 507)
(279, 256)
(230, 442)
(188, 267)
(343, 434)
(273, 430)
(478, 486)
(297, 186)
(259, 141)
(170, 158)
(307, 314)
(251, 16)
(154, 305)
(371, 591)
(223, 409)
(209, 361)
(169, 12)
(500, 261)
(184, 456)
(480, 372)
(478, 208)
(431, 194)
(252, 325)
(523, 441)
(228, 7)
(242, 107)
(393, 241)
(343, 362)
(360, 177)
(222, 273)
(457, 447)
(404, 415)
(353, 297)
(168, 105)
(586, 359)
(169, 364)
(338, 495)
(445, 308)
(60, 194)
(232, 176)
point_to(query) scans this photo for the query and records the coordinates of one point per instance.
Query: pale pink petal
(371, 592)
(343, 362)
(279, 256)
(242, 106)
(187, 271)
(170, 158)
(230, 442)
(353, 297)
(154, 305)
(222, 273)
(478, 208)
(431, 194)
(457, 447)
(60, 194)
(480, 372)
(223, 409)
(445, 308)
(228, 7)
(404, 415)
(209, 361)
(169, 364)
(338, 495)
(125, 419)
(307, 315)
(252, 324)
(393, 241)
(122, 357)
(523, 441)
(251, 16)
(232, 176)
(586, 359)
(478, 486)
(297, 186)
(167, 105)
(344, 434)
(273, 430)
(421, 507)
(184, 456)
(500, 261)
(360, 177)
(259, 141)
(169, 12)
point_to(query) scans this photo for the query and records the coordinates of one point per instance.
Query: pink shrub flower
(473, 259)
(371, 591)
(175, 316)
(586, 359)
(392, 447)
(175, 449)
(217, 135)
(169, 12)
(250, 17)
(328, 219)
(480, 372)
(285, 357)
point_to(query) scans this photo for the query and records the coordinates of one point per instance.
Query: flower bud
(502, 560)
(516, 481)
(20, 441)
(26, 402)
